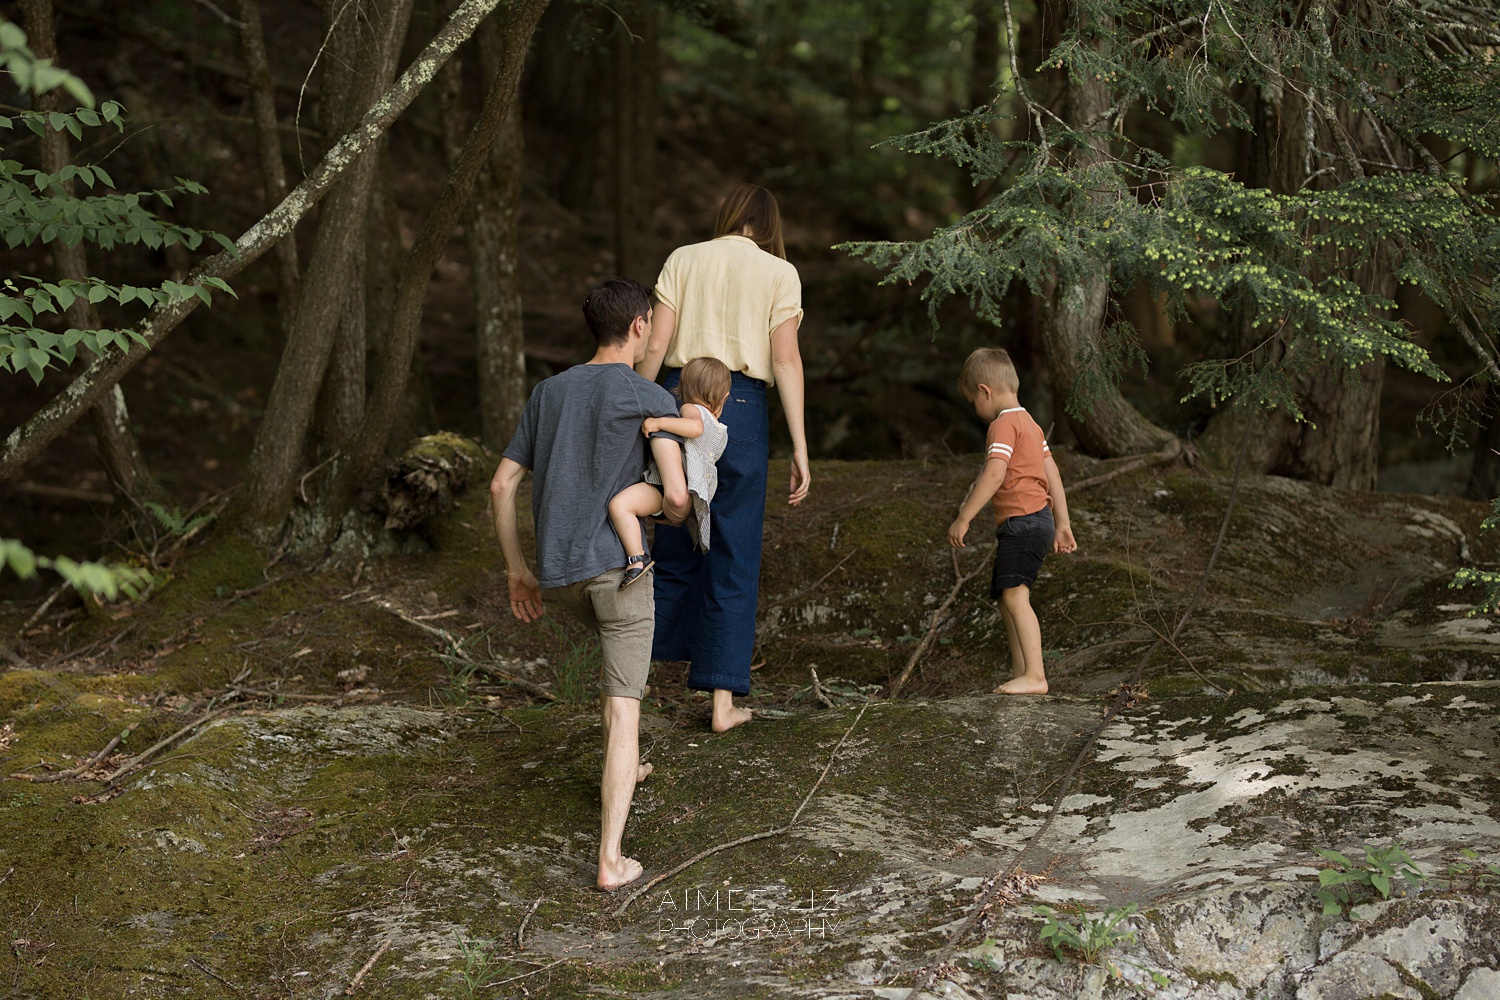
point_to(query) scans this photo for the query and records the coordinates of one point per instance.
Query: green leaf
(1382, 884)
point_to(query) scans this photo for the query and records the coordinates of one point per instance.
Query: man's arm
(525, 593)
(663, 326)
(1063, 540)
(675, 502)
(986, 484)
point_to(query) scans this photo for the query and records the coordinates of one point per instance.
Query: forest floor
(322, 759)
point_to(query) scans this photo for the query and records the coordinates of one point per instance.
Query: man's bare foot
(619, 876)
(1022, 685)
(728, 719)
(643, 771)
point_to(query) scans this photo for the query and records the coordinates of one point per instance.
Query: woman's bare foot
(618, 876)
(1022, 685)
(728, 719)
(643, 771)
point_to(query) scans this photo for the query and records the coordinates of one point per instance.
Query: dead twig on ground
(82, 769)
(456, 651)
(808, 590)
(210, 972)
(961, 579)
(1170, 453)
(36, 615)
(525, 975)
(817, 688)
(136, 763)
(359, 976)
(521, 930)
(764, 835)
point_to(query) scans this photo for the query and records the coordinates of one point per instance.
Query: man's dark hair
(611, 306)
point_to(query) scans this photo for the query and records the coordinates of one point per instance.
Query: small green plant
(460, 673)
(481, 966)
(1382, 865)
(576, 674)
(1468, 872)
(174, 522)
(1087, 936)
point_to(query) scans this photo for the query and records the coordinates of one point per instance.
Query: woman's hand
(801, 480)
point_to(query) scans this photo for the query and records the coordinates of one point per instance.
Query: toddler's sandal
(634, 572)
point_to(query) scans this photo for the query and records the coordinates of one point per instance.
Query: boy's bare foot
(643, 771)
(1022, 685)
(619, 876)
(729, 718)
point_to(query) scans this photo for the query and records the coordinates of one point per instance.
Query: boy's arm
(986, 484)
(1063, 541)
(689, 425)
(525, 593)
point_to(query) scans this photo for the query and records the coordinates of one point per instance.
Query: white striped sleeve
(998, 450)
(1046, 448)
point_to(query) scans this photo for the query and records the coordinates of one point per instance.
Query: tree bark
(28, 440)
(1484, 480)
(1074, 313)
(636, 71)
(118, 446)
(493, 238)
(390, 380)
(306, 383)
(268, 145)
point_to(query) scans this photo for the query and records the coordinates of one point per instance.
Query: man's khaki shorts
(624, 620)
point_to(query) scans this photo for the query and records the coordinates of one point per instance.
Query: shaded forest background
(633, 120)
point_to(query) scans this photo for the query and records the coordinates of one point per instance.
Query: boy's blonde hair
(989, 366)
(704, 381)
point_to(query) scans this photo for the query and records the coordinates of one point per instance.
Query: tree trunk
(985, 69)
(636, 69)
(27, 441)
(1484, 480)
(1108, 426)
(358, 70)
(390, 380)
(118, 447)
(268, 143)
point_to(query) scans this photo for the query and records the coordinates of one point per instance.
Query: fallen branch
(937, 619)
(525, 975)
(764, 835)
(817, 688)
(459, 653)
(521, 931)
(140, 761)
(359, 976)
(210, 972)
(82, 769)
(1170, 453)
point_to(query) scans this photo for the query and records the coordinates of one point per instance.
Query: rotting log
(27, 441)
(425, 480)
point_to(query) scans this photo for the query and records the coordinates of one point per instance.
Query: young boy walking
(1020, 481)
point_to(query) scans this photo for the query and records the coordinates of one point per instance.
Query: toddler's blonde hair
(989, 366)
(704, 381)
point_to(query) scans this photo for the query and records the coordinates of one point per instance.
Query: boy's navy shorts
(1021, 544)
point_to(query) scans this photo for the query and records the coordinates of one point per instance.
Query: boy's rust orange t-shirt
(1018, 440)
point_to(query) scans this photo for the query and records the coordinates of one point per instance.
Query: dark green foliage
(1468, 576)
(1076, 199)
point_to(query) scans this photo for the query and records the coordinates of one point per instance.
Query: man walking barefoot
(580, 435)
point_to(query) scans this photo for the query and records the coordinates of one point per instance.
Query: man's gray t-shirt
(580, 435)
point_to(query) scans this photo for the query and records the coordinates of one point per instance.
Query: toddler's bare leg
(1017, 656)
(627, 507)
(1028, 632)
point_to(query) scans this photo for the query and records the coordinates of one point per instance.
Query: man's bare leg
(1017, 655)
(1028, 632)
(726, 716)
(622, 769)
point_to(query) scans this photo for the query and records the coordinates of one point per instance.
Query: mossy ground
(399, 800)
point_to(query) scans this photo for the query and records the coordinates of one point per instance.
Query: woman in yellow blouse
(737, 299)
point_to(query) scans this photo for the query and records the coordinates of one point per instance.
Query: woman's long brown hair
(752, 208)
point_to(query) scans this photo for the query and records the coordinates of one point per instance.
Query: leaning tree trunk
(43, 427)
(1106, 424)
(390, 380)
(276, 458)
(118, 447)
